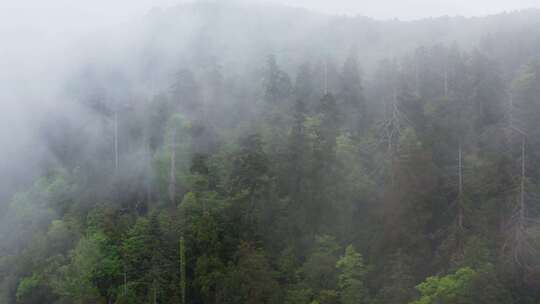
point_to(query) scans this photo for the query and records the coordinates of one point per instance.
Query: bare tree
(393, 124)
(172, 168)
(517, 246)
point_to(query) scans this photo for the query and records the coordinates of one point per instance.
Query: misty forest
(224, 152)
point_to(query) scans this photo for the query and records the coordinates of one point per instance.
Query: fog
(110, 104)
(56, 14)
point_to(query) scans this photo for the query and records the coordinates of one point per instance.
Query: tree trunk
(446, 80)
(460, 188)
(522, 184)
(155, 292)
(125, 283)
(116, 140)
(416, 79)
(182, 270)
(172, 173)
(326, 76)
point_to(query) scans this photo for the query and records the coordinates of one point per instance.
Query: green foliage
(229, 192)
(299, 295)
(26, 285)
(399, 282)
(94, 265)
(453, 288)
(209, 274)
(250, 280)
(327, 296)
(319, 270)
(127, 294)
(351, 277)
(250, 170)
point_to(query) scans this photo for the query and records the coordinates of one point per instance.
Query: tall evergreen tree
(351, 96)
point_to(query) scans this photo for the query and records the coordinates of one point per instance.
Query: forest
(219, 152)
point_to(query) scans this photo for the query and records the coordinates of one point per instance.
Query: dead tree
(461, 207)
(393, 123)
(116, 140)
(172, 169)
(517, 246)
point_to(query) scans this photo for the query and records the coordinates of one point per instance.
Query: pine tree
(277, 83)
(351, 277)
(351, 96)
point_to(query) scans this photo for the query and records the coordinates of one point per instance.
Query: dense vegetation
(415, 181)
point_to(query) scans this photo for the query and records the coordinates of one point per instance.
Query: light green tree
(351, 277)
(450, 289)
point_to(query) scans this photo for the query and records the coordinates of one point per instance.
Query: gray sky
(35, 36)
(66, 16)
(413, 9)
(41, 26)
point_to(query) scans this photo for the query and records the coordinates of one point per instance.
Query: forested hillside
(228, 153)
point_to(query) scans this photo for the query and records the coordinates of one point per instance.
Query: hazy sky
(413, 9)
(31, 26)
(35, 39)
(83, 14)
